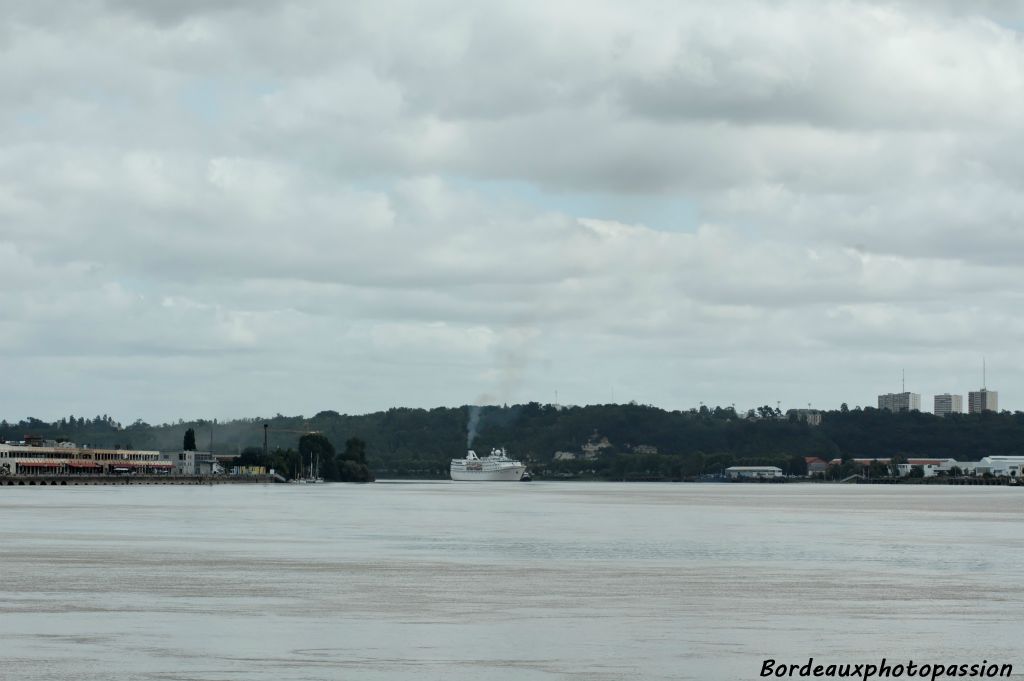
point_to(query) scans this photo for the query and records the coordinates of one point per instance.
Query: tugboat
(495, 467)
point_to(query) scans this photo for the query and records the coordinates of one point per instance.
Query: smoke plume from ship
(474, 421)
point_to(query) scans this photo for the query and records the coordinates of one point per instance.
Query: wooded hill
(643, 442)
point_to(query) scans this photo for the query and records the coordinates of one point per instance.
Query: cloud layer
(269, 207)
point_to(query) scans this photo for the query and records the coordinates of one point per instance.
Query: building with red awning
(32, 458)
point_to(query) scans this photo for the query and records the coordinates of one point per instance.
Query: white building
(949, 404)
(982, 400)
(184, 461)
(189, 462)
(929, 467)
(967, 467)
(900, 402)
(592, 448)
(737, 472)
(207, 464)
(1010, 466)
(811, 417)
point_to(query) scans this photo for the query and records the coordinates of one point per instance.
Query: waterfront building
(946, 404)
(900, 402)
(206, 464)
(815, 465)
(738, 472)
(930, 467)
(1011, 466)
(66, 459)
(191, 462)
(982, 400)
(184, 461)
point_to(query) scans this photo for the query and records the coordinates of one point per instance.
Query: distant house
(753, 472)
(866, 464)
(645, 449)
(929, 467)
(564, 456)
(815, 465)
(811, 417)
(862, 461)
(594, 447)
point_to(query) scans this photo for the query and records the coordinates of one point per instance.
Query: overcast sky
(240, 208)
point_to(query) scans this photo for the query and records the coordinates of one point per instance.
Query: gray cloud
(253, 207)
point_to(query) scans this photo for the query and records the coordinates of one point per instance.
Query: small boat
(312, 473)
(526, 477)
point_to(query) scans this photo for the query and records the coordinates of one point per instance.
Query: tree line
(315, 455)
(611, 441)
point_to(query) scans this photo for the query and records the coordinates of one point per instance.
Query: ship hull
(510, 474)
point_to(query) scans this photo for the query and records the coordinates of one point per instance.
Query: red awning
(83, 464)
(140, 464)
(39, 463)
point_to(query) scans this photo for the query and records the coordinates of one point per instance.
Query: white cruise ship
(497, 466)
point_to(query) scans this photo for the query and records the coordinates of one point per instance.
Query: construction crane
(267, 429)
(266, 436)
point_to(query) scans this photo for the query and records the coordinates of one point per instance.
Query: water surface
(502, 581)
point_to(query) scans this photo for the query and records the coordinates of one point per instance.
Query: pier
(974, 480)
(70, 480)
(941, 480)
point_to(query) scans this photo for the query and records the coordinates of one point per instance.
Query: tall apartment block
(900, 402)
(982, 400)
(949, 404)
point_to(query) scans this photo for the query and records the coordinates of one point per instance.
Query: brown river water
(503, 581)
